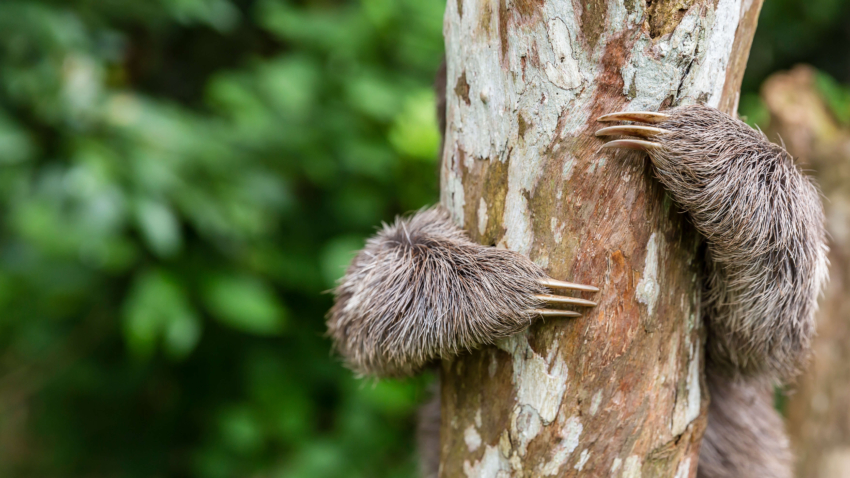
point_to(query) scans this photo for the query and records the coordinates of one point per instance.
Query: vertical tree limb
(620, 391)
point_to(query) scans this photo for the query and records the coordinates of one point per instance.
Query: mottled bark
(619, 392)
(819, 407)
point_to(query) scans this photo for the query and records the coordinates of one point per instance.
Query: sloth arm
(763, 223)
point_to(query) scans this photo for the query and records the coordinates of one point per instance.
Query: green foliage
(180, 181)
(157, 309)
(243, 303)
(790, 32)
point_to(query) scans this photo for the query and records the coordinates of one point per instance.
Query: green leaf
(244, 303)
(159, 227)
(414, 132)
(157, 306)
(182, 334)
(219, 14)
(291, 83)
(15, 144)
(836, 95)
(393, 396)
(337, 254)
(753, 111)
(240, 430)
(374, 96)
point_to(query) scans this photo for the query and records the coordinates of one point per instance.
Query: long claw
(559, 284)
(562, 299)
(641, 116)
(632, 144)
(555, 313)
(632, 130)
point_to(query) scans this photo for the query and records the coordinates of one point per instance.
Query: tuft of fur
(745, 437)
(763, 222)
(421, 290)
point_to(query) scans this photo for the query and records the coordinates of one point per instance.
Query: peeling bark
(819, 408)
(619, 392)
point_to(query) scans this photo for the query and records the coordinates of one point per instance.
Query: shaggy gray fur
(421, 290)
(745, 435)
(763, 222)
(766, 265)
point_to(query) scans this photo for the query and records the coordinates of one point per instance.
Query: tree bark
(818, 410)
(620, 391)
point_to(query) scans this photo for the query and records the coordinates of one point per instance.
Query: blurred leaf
(358, 205)
(317, 459)
(240, 430)
(753, 111)
(313, 26)
(376, 97)
(337, 255)
(219, 14)
(159, 227)
(181, 335)
(399, 397)
(837, 96)
(291, 83)
(15, 144)
(244, 303)
(414, 131)
(157, 306)
(381, 12)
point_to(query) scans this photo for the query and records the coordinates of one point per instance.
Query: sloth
(421, 291)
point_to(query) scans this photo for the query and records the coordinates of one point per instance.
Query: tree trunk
(819, 408)
(619, 392)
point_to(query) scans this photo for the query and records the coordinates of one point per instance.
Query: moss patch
(663, 16)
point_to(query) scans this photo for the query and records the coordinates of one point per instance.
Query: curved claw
(562, 299)
(559, 284)
(639, 116)
(555, 313)
(632, 144)
(631, 130)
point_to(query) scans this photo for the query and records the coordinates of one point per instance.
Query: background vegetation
(180, 180)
